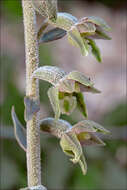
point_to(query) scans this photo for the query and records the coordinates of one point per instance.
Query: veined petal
(81, 104)
(89, 89)
(98, 21)
(95, 50)
(68, 104)
(79, 77)
(85, 27)
(66, 85)
(50, 74)
(19, 130)
(89, 139)
(71, 146)
(96, 126)
(54, 127)
(64, 21)
(83, 164)
(53, 95)
(75, 39)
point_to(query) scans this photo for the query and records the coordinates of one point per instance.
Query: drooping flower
(72, 138)
(67, 89)
(81, 33)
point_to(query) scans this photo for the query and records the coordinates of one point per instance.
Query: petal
(53, 95)
(96, 126)
(52, 35)
(79, 77)
(89, 89)
(98, 21)
(54, 127)
(19, 130)
(71, 147)
(82, 127)
(89, 139)
(75, 39)
(85, 27)
(95, 50)
(68, 104)
(81, 104)
(66, 85)
(65, 21)
(50, 74)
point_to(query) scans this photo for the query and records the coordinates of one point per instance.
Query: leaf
(53, 95)
(75, 39)
(19, 130)
(98, 21)
(54, 127)
(50, 74)
(52, 35)
(81, 104)
(68, 104)
(89, 89)
(95, 50)
(71, 147)
(65, 21)
(89, 139)
(32, 106)
(79, 77)
(47, 8)
(96, 126)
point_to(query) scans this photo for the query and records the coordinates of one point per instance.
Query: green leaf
(79, 77)
(53, 95)
(52, 35)
(68, 104)
(46, 8)
(96, 126)
(19, 130)
(81, 104)
(32, 105)
(54, 127)
(95, 50)
(50, 74)
(75, 39)
(98, 21)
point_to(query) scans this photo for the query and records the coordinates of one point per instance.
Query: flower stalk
(32, 90)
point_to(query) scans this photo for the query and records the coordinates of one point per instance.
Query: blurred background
(107, 166)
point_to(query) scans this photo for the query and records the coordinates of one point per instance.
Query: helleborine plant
(67, 89)
(81, 33)
(72, 138)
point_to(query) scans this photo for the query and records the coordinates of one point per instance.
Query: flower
(66, 93)
(81, 33)
(72, 138)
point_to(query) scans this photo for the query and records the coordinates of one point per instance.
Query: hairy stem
(32, 89)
